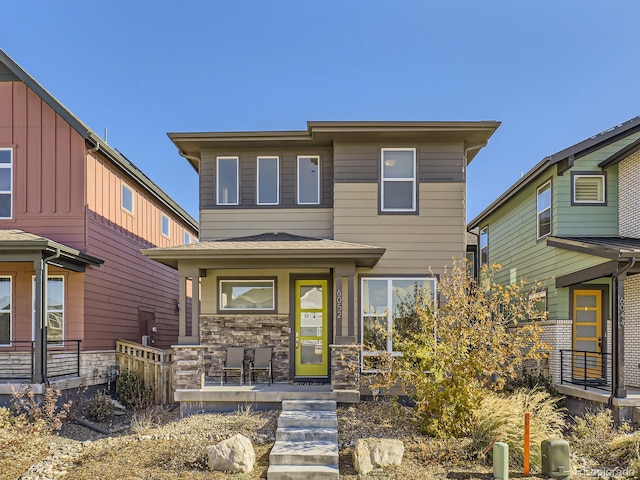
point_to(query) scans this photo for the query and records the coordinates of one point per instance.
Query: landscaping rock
(370, 453)
(233, 455)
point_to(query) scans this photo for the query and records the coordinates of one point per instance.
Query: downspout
(197, 159)
(475, 147)
(44, 319)
(615, 328)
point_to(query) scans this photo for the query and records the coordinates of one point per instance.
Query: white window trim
(10, 311)
(133, 198)
(164, 217)
(248, 280)
(373, 353)
(412, 179)
(298, 178)
(484, 229)
(277, 159)
(590, 202)
(237, 201)
(64, 306)
(538, 211)
(8, 166)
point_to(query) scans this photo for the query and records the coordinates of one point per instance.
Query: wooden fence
(153, 365)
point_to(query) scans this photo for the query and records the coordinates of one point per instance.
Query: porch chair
(261, 362)
(234, 361)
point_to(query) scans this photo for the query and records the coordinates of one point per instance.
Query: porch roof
(267, 246)
(615, 248)
(21, 246)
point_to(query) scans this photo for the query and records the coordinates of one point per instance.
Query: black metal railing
(587, 369)
(17, 361)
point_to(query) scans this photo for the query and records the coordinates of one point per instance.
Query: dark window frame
(246, 279)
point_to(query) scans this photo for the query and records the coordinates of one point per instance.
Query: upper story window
(187, 238)
(5, 310)
(228, 181)
(268, 183)
(308, 180)
(484, 245)
(588, 188)
(543, 210)
(165, 225)
(398, 185)
(6, 182)
(127, 198)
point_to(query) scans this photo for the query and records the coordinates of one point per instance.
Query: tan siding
(104, 197)
(414, 243)
(310, 222)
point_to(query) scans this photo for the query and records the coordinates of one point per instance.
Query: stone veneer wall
(557, 334)
(345, 367)
(94, 366)
(217, 332)
(188, 366)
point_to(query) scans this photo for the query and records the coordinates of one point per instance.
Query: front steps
(306, 445)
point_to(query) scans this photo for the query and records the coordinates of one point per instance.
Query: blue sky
(553, 72)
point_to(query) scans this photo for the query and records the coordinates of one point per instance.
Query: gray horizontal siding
(248, 172)
(436, 162)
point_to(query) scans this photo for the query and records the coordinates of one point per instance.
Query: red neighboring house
(76, 212)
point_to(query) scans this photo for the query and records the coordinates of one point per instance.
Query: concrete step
(307, 419)
(305, 405)
(302, 472)
(304, 453)
(306, 434)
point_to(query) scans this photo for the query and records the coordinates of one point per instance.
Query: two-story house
(573, 223)
(309, 239)
(74, 217)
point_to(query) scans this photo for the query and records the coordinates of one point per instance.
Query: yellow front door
(587, 334)
(311, 321)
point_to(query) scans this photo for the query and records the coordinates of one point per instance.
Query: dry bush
(145, 420)
(592, 434)
(40, 410)
(100, 407)
(500, 418)
(22, 444)
(625, 450)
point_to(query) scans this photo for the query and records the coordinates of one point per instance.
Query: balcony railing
(17, 361)
(587, 369)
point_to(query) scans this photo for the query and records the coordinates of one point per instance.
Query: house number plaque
(339, 303)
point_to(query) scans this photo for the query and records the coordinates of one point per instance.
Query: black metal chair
(261, 362)
(234, 362)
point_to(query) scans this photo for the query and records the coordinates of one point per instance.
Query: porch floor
(597, 395)
(261, 396)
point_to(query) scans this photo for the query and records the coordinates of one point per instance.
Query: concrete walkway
(306, 442)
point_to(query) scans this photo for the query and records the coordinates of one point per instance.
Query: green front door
(311, 321)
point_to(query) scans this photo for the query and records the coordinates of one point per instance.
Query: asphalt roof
(615, 248)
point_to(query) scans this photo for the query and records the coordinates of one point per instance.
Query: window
(588, 189)
(5, 310)
(227, 174)
(165, 225)
(127, 198)
(252, 295)
(484, 246)
(6, 183)
(268, 186)
(398, 187)
(380, 299)
(308, 180)
(187, 238)
(55, 309)
(543, 199)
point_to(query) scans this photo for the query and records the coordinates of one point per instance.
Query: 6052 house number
(339, 304)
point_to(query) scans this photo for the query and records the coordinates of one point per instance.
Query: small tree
(477, 339)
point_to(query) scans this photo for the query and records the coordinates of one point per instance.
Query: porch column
(182, 307)
(617, 340)
(345, 336)
(186, 274)
(39, 362)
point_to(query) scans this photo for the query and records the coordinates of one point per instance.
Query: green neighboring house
(573, 223)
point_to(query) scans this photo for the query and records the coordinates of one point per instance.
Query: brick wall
(632, 331)
(629, 196)
(557, 334)
(217, 332)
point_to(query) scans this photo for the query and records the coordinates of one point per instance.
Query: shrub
(42, 411)
(132, 392)
(100, 407)
(625, 450)
(500, 418)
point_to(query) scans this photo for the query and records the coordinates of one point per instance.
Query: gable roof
(10, 71)
(565, 159)
(475, 135)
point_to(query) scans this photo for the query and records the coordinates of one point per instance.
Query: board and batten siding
(414, 243)
(228, 223)
(104, 198)
(248, 173)
(48, 188)
(437, 162)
